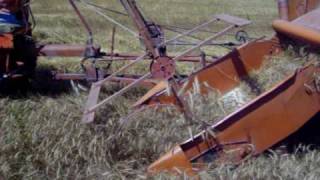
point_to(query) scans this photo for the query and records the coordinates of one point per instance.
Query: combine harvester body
(266, 120)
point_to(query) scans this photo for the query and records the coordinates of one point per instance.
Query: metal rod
(184, 59)
(84, 22)
(141, 25)
(172, 27)
(203, 61)
(119, 93)
(126, 79)
(107, 9)
(183, 54)
(208, 44)
(189, 32)
(113, 41)
(100, 83)
(110, 19)
(181, 103)
(180, 32)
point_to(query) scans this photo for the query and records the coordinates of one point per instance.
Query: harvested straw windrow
(214, 106)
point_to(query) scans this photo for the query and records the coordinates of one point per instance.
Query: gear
(242, 36)
(163, 68)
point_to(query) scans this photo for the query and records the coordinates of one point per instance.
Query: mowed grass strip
(41, 136)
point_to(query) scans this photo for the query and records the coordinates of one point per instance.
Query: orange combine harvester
(249, 131)
(266, 120)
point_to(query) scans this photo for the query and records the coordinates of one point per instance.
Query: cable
(110, 19)
(107, 9)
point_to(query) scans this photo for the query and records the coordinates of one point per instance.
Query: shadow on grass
(308, 135)
(42, 83)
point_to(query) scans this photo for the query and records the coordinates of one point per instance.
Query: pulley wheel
(163, 68)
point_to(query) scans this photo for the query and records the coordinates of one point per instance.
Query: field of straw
(41, 136)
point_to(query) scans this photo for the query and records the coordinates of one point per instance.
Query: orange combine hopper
(266, 120)
(226, 72)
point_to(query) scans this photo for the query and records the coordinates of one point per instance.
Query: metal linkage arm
(100, 83)
(191, 31)
(92, 102)
(110, 19)
(208, 40)
(141, 24)
(89, 52)
(119, 93)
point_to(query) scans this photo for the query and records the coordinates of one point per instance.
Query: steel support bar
(119, 93)
(221, 33)
(65, 50)
(100, 83)
(84, 22)
(93, 98)
(119, 57)
(141, 25)
(110, 19)
(190, 31)
(62, 50)
(126, 79)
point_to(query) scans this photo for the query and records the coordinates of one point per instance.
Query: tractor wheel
(15, 74)
(25, 53)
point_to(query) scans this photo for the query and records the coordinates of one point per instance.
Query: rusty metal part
(162, 68)
(283, 110)
(223, 75)
(77, 50)
(204, 42)
(131, 57)
(113, 38)
(278, 111)
(142, 25)
(203, 60)
(90, 49)
(297, 32)
(305, 29)
(234, 23)
(83, 20)
(62, 50)
(91, 106)
(181, 103)
(237, 22)
(123, 79)
(193, 30)
(292, 9)
(124, 68)
(93, 98)
(92, 102)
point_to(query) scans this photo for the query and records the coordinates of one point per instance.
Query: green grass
(41, 136)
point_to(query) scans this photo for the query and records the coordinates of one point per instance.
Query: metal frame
(152, 52)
